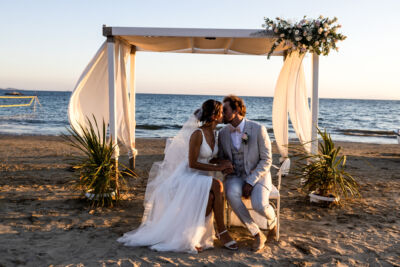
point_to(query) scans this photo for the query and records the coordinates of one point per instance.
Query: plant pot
(318, 199)
(92, 196)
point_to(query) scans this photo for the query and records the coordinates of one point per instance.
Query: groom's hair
(236, 103)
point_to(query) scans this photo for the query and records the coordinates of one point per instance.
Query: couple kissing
(184, 197)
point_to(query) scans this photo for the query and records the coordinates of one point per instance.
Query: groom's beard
(226, 121)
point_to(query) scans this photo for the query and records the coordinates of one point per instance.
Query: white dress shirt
(236, 137)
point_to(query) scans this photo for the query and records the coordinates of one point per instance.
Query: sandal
(228, 244)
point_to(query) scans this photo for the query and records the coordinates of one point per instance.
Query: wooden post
(314, 103)
(112, 101)
(132, 102)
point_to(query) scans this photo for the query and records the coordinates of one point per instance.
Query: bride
(183, 196)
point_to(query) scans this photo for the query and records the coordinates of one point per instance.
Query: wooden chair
(233, 220)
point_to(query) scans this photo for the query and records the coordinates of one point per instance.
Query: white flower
(309, 38)
(298, 38)
(296, 32)
(316, 43)
(245, 138)
(320, 30)
(282, 35)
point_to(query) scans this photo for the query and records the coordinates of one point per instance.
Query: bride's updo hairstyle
(209, 109)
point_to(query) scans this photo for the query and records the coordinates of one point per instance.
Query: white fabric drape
(90, 96)
(291, 98)
(298, 106)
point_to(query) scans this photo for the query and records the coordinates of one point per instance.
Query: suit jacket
(257, 152)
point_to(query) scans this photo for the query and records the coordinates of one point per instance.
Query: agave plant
(324, 172)
(99, 176)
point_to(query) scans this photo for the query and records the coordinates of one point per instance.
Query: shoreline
(294, 141)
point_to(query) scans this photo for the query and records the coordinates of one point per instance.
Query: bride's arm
(194, 150)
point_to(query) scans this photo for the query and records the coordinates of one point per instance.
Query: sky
(45, 45)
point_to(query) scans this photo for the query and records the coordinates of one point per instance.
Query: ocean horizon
(354, 120)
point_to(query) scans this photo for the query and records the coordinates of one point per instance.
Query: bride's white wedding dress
(174, 218)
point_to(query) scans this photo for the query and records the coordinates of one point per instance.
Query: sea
(162, 115)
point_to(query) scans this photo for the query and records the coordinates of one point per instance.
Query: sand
(45, 222)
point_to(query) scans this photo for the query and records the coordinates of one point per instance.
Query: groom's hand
(227, 171)
(247, 188)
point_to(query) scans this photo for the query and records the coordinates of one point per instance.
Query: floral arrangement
(314, 36)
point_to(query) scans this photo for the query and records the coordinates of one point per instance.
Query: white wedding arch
(103, 90)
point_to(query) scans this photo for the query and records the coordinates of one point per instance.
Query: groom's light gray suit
(252, 163)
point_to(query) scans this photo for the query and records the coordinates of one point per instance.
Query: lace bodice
(206, 153)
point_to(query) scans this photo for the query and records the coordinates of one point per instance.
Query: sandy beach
(45, 222)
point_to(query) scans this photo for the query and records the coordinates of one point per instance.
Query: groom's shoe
(259, 242)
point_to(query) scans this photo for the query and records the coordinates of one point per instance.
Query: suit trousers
(259, 201)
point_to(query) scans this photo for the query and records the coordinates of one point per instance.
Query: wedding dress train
(174, 217)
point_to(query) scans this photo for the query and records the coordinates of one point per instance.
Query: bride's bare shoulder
(196, 134)
(196, 139)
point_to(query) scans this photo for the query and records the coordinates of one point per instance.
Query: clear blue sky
(45, 45)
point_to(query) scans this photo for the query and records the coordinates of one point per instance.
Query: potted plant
(99, 176)
(324, 174)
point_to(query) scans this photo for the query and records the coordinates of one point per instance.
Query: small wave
(157, 127)
(375, 133)
(263, 120)
(17, 117)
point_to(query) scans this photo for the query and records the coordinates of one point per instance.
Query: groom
(246, 144)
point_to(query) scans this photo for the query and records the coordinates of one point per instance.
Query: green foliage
(325, 172)
(98, 171)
